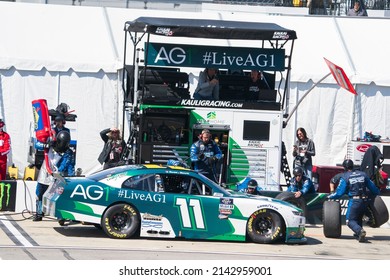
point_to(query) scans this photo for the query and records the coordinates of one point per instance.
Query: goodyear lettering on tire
(275, 232)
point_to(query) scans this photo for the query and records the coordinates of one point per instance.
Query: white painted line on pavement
(15, 232)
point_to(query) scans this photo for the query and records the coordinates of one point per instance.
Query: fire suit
(304, 186)
(5, 148)
(360, 190)
(204, 156)
(45, 179)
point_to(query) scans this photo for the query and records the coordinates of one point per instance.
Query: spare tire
(331, 219)
(377, 213)
(290, 198)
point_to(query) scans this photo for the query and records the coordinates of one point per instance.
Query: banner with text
(215, 57)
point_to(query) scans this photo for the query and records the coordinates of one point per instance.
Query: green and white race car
(171, 202)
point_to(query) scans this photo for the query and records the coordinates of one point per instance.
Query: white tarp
(73, 54)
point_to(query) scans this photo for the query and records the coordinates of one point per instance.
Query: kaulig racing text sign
(214, 57)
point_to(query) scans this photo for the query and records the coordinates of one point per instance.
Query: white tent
(73, 54)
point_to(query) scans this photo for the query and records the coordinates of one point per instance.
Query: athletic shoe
(37, 218)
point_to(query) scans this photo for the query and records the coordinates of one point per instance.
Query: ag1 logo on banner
(215, 57)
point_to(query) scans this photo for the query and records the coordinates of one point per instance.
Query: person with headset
(360, 189)
(208, 85)
(255, 84)
(205, 154)
(59, 124)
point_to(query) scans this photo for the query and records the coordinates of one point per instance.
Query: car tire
(331, 219)
(265, 226)
(377, 213)
(290, 198)
(121, 221)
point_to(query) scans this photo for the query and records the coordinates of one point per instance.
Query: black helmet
(62, 141)
(59, 117)
(252, 184)
(348, 164)
(298, 171)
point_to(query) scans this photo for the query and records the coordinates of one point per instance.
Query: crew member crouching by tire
(300, 184)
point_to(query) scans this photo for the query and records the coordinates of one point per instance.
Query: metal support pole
(303, 97)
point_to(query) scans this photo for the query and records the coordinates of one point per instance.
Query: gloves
(49, 143)
(201, 156)
(212, 160)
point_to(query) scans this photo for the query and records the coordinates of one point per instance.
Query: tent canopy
(209, 28)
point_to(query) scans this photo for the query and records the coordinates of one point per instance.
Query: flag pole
(353, 112)
(300, 100)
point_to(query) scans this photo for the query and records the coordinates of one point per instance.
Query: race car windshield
(99, 175)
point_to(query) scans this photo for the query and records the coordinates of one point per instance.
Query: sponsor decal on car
(152, 217)
(116, 176)
(92, 192)
(226, 203)
(159, 198)
(225, 207)
(268, 206)
(152, 224)
(344, 206)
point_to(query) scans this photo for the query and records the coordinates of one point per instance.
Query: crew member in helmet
(5, 148)
(57, 125)
(56, 148)
(300, 184)
(252, 187)
(360, 189)
(66, 165)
